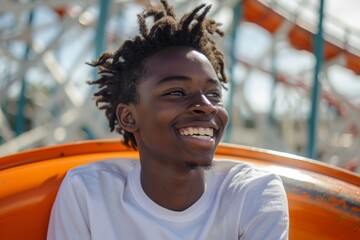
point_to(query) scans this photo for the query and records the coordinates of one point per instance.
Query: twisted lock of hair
(120, 72)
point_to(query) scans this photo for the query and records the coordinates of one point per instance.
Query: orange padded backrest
(324, 201)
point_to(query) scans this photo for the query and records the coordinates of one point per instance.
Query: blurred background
(294, 69)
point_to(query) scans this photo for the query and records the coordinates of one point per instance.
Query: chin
(200, 165)
(200, 160)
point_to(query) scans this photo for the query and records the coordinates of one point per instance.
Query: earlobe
(125, 117)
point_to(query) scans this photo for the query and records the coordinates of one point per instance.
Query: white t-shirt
(105, 201)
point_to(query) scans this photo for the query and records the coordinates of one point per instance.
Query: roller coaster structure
(44, 101)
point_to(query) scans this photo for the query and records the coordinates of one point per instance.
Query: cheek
(156, 115)
(166, 111)
(223, 115)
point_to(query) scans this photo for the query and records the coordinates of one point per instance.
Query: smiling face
(179, 117)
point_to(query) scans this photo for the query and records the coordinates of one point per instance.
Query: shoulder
(102, 170)
(255, 189)
(241, 171)
(240, 176)
(111, 165)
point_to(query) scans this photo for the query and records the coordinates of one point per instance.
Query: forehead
(184, 61)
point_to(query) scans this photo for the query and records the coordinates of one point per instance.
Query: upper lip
(200, 124)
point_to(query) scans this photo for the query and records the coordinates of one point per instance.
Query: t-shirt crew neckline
(148, 205)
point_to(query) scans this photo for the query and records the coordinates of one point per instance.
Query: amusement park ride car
(324, 201)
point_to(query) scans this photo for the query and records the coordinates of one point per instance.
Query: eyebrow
(185, 78)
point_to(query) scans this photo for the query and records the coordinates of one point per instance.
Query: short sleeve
(69, 214)
(265, 211)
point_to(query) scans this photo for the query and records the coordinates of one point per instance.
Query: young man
(163, 92)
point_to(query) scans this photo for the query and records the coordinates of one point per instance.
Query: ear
(125, 117)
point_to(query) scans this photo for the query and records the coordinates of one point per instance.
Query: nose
(203, 106)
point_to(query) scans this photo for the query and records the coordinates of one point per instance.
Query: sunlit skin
(178, 92)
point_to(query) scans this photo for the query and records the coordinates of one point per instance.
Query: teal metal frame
(238, 12)
(100, 45)
(316, 90)
(20, 116)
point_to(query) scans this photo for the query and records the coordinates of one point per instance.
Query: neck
(174, 190)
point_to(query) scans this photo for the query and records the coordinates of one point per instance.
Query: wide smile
(203, 133)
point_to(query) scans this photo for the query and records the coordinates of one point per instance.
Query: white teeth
(203, 133)
(191, 131)
(208, 131)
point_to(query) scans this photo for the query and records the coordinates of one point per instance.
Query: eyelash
(182, 93)
(177, 93)
(217, 95)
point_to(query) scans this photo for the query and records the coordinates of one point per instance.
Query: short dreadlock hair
(120, 72)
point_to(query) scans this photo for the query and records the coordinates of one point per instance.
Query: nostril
(198, 111)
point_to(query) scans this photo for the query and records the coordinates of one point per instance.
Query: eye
(214, 95)
(177, 93)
